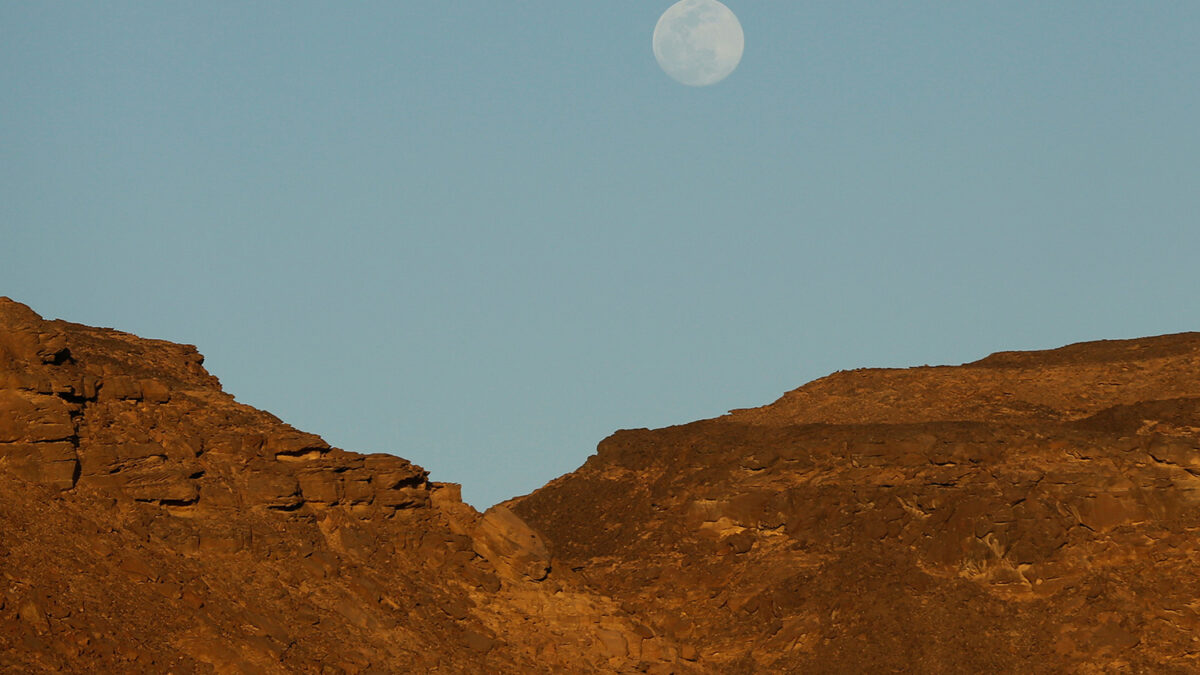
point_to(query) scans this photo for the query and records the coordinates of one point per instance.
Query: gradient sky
(485, 235)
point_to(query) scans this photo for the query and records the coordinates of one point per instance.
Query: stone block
(52, 464)
(511, 546)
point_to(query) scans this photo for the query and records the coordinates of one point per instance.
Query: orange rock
(510, 545)
(1027, 512)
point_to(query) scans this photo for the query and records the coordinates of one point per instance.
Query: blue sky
(483, 236)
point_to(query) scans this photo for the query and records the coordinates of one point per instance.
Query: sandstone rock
(163, 482)
(1025, 513)
(323, 485)
(402, 498)
(32, 614)
(154, 391)
(52, 464)
(612, 643)
(511, 546)
(356, 486)
(121, 387)
(389, 472)
(738, 543)
(447, 499)
(456, 608)
(263, 485)
(294, 445)
(1007, 498)
(26, 417)
(480, 644)
(137, 566)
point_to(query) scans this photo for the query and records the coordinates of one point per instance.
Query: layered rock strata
(150, 523)
(1030, 512)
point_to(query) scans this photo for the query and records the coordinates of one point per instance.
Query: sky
(483, 236)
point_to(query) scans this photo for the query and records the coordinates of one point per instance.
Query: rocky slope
(150, 523)
(1030, 512)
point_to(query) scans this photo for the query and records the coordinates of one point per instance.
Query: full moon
(698, 42)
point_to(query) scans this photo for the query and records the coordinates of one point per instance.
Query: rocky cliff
(150, 523)
(1030, 512)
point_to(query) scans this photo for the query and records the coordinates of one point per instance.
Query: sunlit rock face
(698, 42)
(150, 523)
(1029, 512)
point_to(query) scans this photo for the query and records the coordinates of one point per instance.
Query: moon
(698, 42)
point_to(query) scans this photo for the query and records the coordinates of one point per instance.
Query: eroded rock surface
(150, 523)
(1030, 512)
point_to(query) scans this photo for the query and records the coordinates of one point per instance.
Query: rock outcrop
(150, 523)
(1030, 512)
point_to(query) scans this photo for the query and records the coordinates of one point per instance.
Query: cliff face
(1031, 512)
(150, 523)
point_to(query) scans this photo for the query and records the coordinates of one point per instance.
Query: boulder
(510, 545)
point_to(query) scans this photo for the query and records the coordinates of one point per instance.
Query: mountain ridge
(1026, 512)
